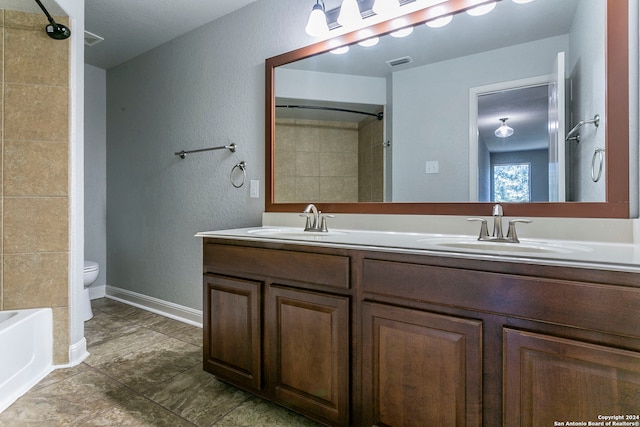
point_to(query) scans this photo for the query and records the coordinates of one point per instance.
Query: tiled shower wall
(371, 160)
(35, 171)
(319, 161)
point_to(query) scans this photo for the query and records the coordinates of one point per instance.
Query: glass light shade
(386, 8)
(317, 24)
(340, 50)
(522, 1)
(440, 22)
(403, 32)
(504, 131)
(369, 42)
(349, 14)
(482, 9)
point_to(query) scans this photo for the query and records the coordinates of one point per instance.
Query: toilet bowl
(90, 274)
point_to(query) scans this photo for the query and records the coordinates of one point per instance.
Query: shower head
(58, 31)
(55, 30)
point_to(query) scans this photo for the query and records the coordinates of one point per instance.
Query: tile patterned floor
(144, 370)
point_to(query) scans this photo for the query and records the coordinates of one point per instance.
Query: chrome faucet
(497, 235)
(316, 221)
(497, 222)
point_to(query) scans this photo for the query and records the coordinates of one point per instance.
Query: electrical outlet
(432, 166)
(254, 189)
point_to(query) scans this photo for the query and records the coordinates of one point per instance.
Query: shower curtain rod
(378, 116)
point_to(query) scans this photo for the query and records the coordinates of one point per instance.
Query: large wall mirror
(417, 124)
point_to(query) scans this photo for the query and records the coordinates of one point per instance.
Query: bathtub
(26, 351)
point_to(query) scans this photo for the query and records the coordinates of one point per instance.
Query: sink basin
(285, 233)
(524, 247)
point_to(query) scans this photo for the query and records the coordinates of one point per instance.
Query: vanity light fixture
(349, 14)
(386, 8)
(482, 9)
(340, 50)
(402, 32)
(504, 131)
(369, 42)
(440, 22)
(317, 24)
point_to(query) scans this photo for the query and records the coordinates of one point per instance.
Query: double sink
(420, 241)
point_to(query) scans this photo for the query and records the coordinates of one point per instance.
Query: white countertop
(584, 254)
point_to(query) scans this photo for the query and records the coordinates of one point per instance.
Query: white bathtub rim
(19, 384)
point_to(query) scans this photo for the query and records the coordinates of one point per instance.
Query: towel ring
(243, 167)
(599, 153)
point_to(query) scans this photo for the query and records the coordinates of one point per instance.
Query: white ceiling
(132, 27)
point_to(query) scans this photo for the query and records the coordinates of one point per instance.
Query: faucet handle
(512, 236)
(307, 226)
(484, 230)
(323, 222)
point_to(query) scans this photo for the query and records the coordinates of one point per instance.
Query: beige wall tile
(339, 164)
(285, 189)
(32, 57)
(285, 164)
(307, 139)
(61, 335)
(36, 112)
(36, 225)
(35, 168)
(36, 280)
(307, 189)
(14, 18)
(338, 189)
(307, 164)
(34, 265)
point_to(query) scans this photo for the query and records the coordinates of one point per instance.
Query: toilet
(90, 273)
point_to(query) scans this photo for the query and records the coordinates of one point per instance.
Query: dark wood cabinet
(420, 369)
(549, 379)
(277, 323)
(307, 347)
(232, 325)
(354, 337)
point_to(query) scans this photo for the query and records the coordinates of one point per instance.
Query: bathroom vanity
(349, 332)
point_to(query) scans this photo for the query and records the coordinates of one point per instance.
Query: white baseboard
(77, 354)
(155, 305)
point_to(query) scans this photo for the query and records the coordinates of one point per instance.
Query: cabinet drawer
(598, 307)
(319, 269)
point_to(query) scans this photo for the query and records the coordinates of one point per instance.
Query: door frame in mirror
(616, 119)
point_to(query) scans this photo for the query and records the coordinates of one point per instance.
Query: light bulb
(340, 50)
(440, 22)
(369, 42)
(403, 32)
(482, 9)
(349, 14)
(504, 131)
(386, 8)
(317, 24)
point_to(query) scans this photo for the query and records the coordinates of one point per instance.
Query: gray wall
(586, 69)
(203, 89)
(431, 122)
(95, 169)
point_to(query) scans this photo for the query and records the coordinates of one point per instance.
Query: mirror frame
(616, 119)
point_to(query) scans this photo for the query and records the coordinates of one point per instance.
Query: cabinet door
(420, 369)
(232, 330)
(549, 379)
(308, 351)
